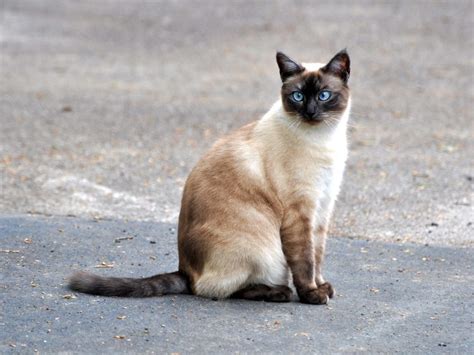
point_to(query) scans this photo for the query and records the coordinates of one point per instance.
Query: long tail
(162, 284)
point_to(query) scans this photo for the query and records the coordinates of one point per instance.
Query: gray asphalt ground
(105, 106)
(390, 298)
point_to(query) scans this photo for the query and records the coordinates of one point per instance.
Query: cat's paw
(314, 296)
(327, 287)
(280, 294)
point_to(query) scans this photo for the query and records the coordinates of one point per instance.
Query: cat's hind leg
(266, 293)
(220, 283)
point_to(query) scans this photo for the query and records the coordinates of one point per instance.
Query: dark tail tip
(93, 284)
(81, 281)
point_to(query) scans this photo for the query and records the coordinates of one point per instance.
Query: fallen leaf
(420, 174)
(104, 265)
(9, 251)
(302, 334)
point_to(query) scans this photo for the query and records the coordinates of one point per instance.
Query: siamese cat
(255, 209)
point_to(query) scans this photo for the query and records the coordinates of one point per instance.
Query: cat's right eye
(297, 96)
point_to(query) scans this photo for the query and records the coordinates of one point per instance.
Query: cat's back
(233, 159)
(228, 181)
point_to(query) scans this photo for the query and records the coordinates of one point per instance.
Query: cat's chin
(317, 122)
(298, 119)
(325, 120)
(313, 121)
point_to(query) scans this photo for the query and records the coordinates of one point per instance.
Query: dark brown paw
(264, 293)
(314, 296)
(327, 287)
(279, 294)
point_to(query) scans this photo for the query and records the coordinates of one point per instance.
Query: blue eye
(324, 95)
(297, 96)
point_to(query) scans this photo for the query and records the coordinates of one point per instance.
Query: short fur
(255, 209)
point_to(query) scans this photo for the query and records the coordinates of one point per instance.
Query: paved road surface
(105, 106)
(389, 297)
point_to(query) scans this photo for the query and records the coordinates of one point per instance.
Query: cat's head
(313, 92)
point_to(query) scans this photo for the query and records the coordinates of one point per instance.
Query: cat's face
(315, 95)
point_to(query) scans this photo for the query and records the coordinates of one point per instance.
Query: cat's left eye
(324, 95)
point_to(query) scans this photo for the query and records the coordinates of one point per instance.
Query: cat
(255, 209)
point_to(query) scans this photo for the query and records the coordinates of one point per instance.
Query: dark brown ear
(339, 65)
(288, 67)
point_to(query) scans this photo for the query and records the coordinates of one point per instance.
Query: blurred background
(107, 105)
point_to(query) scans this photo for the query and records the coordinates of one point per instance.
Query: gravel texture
(106, 105)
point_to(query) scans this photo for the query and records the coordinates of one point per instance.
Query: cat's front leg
(298, 247)
(320, 235)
